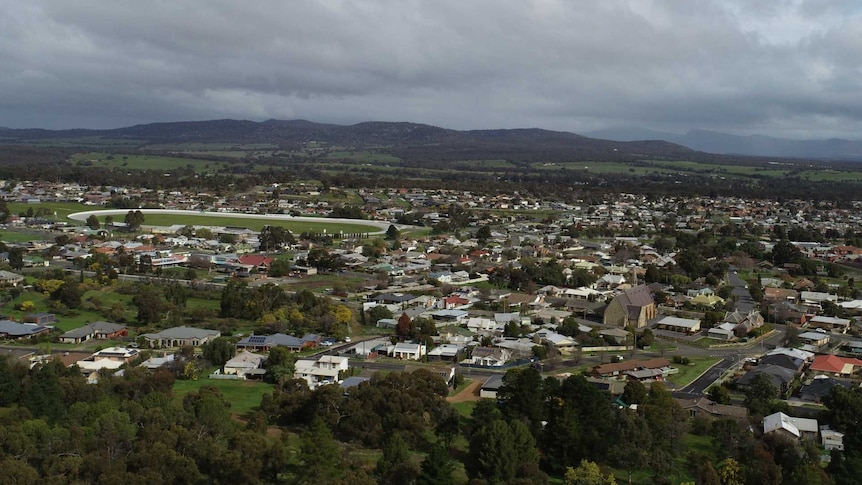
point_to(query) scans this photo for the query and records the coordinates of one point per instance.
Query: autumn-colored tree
(403, 327)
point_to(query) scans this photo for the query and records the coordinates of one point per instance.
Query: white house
(799, 428)
(407, 351)
(327, 370)
(243, 362)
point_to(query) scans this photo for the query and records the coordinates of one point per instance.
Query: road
(699, 385)
(744, 302)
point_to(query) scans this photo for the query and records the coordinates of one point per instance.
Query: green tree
(499, 451)
(149, 303)
(396, 466)
(587, 473)
(760, 395)
(279, 267)
(320, 456)
(377, 313)
(719, 394)
(69, 294)
(93, 222)
(392, 232)
(484, 233)
(134, 220)
(234, 299)
(634, 393)
(437, 468)
(218, 351)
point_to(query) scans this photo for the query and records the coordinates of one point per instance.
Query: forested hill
(407, 140)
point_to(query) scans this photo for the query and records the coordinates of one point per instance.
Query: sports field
(160, 217)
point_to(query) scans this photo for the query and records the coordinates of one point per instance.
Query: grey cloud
(772, 67)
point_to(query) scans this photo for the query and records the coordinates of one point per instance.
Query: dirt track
(469, 393)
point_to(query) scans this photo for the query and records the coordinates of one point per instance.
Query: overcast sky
(785, 68)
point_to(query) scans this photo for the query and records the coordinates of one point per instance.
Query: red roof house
(835, 365)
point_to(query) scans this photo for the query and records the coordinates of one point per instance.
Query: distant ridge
(408, 140)
(750, 145)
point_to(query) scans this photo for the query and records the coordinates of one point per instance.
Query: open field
(688, 373)
(159, 217)
(243, 396)
(62, 209)
(144, 162)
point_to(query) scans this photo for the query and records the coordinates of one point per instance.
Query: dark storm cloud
(788, 68)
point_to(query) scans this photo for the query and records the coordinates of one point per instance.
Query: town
(688, 313)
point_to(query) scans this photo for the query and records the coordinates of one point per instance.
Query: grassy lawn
(460, 388)
(688, 373)
(62, 209)
(144, 162)
(243, 396)
(251, 223)
(464, 408)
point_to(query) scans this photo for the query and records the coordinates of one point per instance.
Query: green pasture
(144, 162)
(62, 209)
(688, 373)
(250, 223)
(243, 396)
(363, 156)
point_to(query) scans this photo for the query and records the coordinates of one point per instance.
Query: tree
(134, 220)
(730, 472)
(320, 456)
(392, 232)
(634, 393)
(16, 257)
(279, 267)
(719, 394)
(484, 233)
(377, 313)
(234, 299)
(587, 473)
(500, 450)
(218, 351)
(149, 303)
(760, 394)
(437, 468)
(69, 294)
(93, 222)
(396, 466)
(403, 328)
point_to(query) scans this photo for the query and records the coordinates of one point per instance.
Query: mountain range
(751, 145)
(413, 140)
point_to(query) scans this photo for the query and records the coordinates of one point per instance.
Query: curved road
(381, 226)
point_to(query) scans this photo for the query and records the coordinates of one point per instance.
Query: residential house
(705, 407)
(781, 377)
(180, 337)
(244, 363)
(447, 352)
(744, 323)
(561, 343)
(10, 278)
(258, 262)
(819, 388)
(830, 324)
(265, 343)
(407, 351)
(834, 365)
(489, 357)
(633, 306)
(96, 330)
(722, 331)
(831, 439)
(783, 360)
(491, 386)
(327, 370)
(14, 330)
(815, 340)
(676, 324)
(617, 370)
(796, 428)
(40, 318)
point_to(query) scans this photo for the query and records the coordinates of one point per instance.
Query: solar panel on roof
(257, 339)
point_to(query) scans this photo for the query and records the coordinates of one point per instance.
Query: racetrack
(370, 227)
